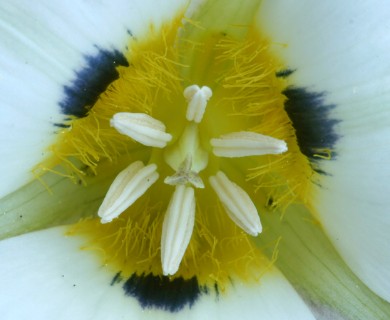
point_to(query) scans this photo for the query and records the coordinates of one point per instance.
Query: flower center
(192, 139)
(187, 158)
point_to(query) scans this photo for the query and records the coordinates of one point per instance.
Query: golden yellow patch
(247, 96)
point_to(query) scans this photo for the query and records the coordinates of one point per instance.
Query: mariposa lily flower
(204, 160)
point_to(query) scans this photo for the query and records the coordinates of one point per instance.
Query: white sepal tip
(142, 128)
(237, 203)
(246, 143)
(177, 228)
(197, 101)
(128, 186)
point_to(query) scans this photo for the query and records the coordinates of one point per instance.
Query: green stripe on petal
(229, 16)
(309, 261)
(219, 18)
(353, 206)
(55, 200)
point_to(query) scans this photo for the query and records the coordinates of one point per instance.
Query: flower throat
(199, 125)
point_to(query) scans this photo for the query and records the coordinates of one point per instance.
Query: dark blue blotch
(92, 80)
(310, 116)
(161, 292)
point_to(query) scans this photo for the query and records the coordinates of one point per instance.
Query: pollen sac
(237, 203)
(142, 128)
(246, 143)
(197, 101)
(177, 228)
(127, 187)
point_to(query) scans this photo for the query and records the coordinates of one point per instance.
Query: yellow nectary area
(246, 97)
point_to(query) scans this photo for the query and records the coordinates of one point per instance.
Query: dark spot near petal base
(92, 80)
(270, 203)
(62, 125)
(314, 128)
(216, 289)
(284, 73)
(116, 279)
(161, 292)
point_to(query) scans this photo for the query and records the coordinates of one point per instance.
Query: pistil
(184, 175)
(188, 145)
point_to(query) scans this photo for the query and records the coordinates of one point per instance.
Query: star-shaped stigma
(187, 158)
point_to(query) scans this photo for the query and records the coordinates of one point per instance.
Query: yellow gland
(193, 124)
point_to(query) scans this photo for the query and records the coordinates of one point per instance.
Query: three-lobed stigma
(187, 158)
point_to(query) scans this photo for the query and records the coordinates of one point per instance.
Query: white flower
(69, 70)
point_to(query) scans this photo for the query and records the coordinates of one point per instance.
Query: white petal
(177, 228)
(245, 143)
(272, 299)
(337, 47)
(43, 45)
(47, 276)
(237, 203)
(341, 48)
(127, 187)
(142, 128)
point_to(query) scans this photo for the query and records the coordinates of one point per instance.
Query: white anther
(197, 100)
(245, 143)
(237, 203)
(142, 128)
(127, 187)
(177, 228)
